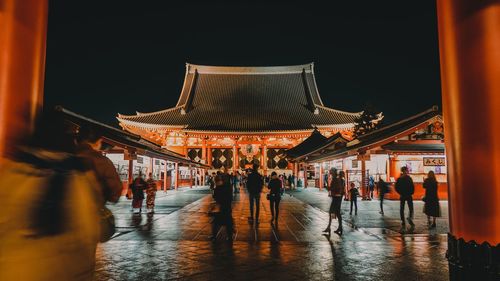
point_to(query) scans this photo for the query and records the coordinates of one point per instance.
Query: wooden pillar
(209, 155)
(296, 173)
(304, 164)
(23, 35)
(235, 155)
(204, 150)
(364, 186)
(469, 45)
(264, 155)
(190, 173)
(176, 178)
(185, 145)
(165, 170)
(321, 183)
(130, 171)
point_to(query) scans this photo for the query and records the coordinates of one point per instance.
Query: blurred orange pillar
(23, 33)
(469, 43)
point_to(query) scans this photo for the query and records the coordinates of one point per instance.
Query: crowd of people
(404, 186)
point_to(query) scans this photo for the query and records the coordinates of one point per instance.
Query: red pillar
(469, 45)
(23, 33)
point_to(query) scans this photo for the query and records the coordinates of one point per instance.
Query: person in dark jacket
(431, 207)
(405, 188)
(275, 191)
(353, 197)
(254, 187)
(223, 195)
(383, 188)
(138, 187)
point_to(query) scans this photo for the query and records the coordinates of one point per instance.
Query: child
(353, 194)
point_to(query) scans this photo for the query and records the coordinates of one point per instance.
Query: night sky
(109, 57)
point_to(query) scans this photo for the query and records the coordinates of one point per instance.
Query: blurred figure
(138, 186)
(89, 143)
(371, 187)
(431, 199)
(223, 196)
(50, 225)
(150, 193)
(235, 181)
(383, 188)
(275, 191)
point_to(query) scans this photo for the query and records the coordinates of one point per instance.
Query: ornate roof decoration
(245, 99)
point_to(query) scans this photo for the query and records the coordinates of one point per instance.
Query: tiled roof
(383, 136)
(246, 99)
(126, 140)
(315, 140)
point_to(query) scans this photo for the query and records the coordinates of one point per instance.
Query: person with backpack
(383, 189)
(353, 197)
(405, 188)
(254, 187)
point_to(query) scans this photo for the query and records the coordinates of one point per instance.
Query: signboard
(365, 157)
(129, 155)
(354, 164)
(434, 161)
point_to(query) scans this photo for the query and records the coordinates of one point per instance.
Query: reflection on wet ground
(173, 244)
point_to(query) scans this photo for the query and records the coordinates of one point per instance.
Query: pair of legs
(150, 202)
(335, 209)
(354, 201)
(225, 217)
(275, 208)
(137, 205)
(382, 203)
(235, 186)
(254, 199)
(402, 201)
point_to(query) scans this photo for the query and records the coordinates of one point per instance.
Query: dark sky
(105, 57)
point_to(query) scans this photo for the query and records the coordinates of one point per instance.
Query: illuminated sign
(434, 161)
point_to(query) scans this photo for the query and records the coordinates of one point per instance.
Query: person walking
(336, 191)
(405, 189)
(223, 195)
(138, 186)
(275, 191)
(254, 187)
(371, 187)
(383, 188)
(353, 197)
(235, 182)
(431, 199)
(151, 193)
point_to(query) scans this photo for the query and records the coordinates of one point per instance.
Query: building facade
(234, 117)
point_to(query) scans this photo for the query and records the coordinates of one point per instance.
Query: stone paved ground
(173, 244)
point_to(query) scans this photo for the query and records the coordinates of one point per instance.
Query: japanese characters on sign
(434, 161)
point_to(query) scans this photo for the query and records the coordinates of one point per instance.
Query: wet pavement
(173, 244)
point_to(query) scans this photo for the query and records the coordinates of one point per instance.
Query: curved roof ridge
(125, 117)
(147, 125)
(339, 111)
(213, 69)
